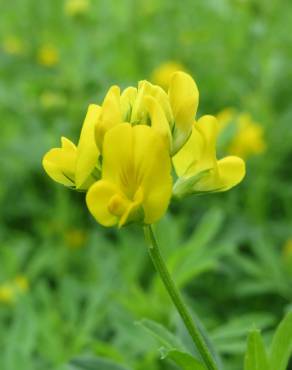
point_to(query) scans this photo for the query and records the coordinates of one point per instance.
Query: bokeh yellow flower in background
(162, 74)
(48, 55)
(12, 289)
(247, 137)
(21, 283)
(287, 255)
(76, 7)
(287, 249)
(225, 117)
(13, 45)
(51, 100)
(6, 293)
(75, 238)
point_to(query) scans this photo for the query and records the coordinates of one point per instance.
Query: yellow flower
(162, 74)
(10, 290)
(225, 117)
(52, 100)
(249, 139)
(48, 56)
(287, 249)
(76, 7)
(13, 45)
(244, 136)
(136, 183)
(123, 157)
(7, 294)
(21, 283)
(75, 238)
(72, 166)
(197, 166)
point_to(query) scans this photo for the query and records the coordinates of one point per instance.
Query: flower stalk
(177, 300)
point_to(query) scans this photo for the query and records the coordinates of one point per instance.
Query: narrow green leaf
(185, 360)
(282, 344)
(256, 357)
(160, 333)
(94, 363)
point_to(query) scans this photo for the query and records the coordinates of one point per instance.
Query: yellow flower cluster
(13, 45)
(10, 290)
(248, 135)
(48, 55)
(128, 146)
(76, 7)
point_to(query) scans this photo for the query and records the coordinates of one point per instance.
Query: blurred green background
(69, 287)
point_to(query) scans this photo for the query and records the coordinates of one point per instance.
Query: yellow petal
(98, 199)
(158, 119)
(184, 98)
(162, 98)
(87, 151)
(110, 116)
(59, 163)
(117, 155)
(197, 166)
(139, 112)
(231, 172)
(228, 172)
(207, 126)
(128, 98)
(137, 157)
(199, 152)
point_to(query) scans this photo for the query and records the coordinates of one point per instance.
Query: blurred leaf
(239, 326)
(185, 360)
(172, 347)
(160, 333)
(282, 344)
(256, 357)
(91, 363)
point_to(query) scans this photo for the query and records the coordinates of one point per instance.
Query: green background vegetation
(90, 287)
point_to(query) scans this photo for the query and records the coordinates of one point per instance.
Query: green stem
(174, 293)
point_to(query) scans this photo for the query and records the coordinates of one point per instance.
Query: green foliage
(281, 349)
(256, 357)
(94, 364)
(171, 346)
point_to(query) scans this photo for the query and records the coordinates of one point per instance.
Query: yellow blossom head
(162, 74)
(196, 164)
(13, 45)
(249, 138)
(50, 100)
(76, 7)
(171, 114)
(75, 238)
(126, 147)
(12, 289)
(21, 283)
(135, 185)
(242, 135)
(287, 249)
(48, 56)
(7, 294)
